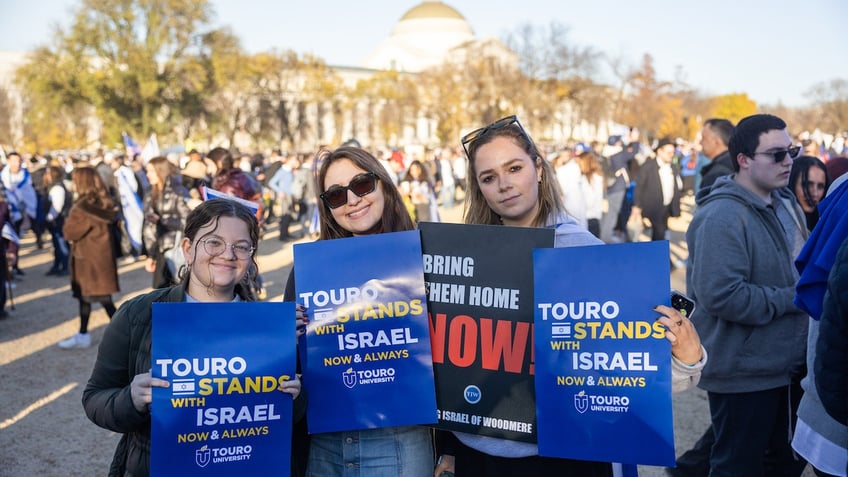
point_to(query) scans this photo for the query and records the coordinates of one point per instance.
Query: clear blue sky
(774, 50)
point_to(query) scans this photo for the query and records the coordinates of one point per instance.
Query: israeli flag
(209, 194)
(131, 204)
(151, 149)
(131, 146)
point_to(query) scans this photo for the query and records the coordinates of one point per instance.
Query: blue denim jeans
(387, 452)
(61, 252)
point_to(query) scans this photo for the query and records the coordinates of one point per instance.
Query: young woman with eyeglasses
(358, 198)
(510, 183)
(219, 243)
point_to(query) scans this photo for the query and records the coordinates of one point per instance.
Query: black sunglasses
(361, 185)
(499, 124)
(779, 156)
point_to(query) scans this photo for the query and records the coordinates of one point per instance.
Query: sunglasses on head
(499, 124)
(361, 185)
(779, 156)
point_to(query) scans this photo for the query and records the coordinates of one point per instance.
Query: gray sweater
(742, 276)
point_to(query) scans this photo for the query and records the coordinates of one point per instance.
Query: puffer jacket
(124, 353)
(831, 361)
(172, 210)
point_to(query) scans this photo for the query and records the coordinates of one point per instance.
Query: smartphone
(682, 303)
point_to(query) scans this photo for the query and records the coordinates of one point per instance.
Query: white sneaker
(78, 341)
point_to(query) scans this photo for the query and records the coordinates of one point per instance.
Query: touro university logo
(597, 403)
(349, 378)
(218, 455)
(203, 456)
(581, 402)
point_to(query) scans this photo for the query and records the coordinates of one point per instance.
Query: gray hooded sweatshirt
(742, 276)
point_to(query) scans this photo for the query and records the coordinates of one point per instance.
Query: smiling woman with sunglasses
(358, 195)
(359, 198)
(510, 183)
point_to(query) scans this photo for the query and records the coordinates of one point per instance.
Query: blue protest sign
(603, 365)
(224, 413)
(368, 361)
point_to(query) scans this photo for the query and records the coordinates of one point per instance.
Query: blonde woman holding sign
(510, 183)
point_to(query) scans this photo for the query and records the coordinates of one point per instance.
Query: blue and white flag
(131, 204)
(209, 194)
(151, 149)
(8, 233)
(131, 146)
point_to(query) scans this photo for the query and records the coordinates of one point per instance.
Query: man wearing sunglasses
(742, 243)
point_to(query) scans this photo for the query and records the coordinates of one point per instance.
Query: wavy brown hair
(164, 170)
(395, 217)
(90, 188)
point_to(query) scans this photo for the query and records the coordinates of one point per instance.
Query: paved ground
(43, 430)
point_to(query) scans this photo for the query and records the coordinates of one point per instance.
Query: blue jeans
(61, 252)
(387, 452)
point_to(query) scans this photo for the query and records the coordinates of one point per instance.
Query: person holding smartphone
(510, 183)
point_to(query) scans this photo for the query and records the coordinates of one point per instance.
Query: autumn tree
(557, 72)
(134, 61)
(321, 85)
(392, 99)
(732, 107)
(444, 98)
(649, 104)
(6, 132)
(830, 99)
(56, 111)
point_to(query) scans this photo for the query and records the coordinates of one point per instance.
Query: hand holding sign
(141, 390)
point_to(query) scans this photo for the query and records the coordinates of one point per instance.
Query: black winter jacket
(124, 353)
(831, 364)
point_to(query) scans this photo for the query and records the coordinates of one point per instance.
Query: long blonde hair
(477, 210)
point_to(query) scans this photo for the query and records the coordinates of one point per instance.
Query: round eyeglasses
(215, 246)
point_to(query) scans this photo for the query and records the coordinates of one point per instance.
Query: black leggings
(85, 312)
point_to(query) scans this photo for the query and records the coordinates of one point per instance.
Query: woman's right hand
(150, 265)
(141, 390)
(447, 463)
(301, 319)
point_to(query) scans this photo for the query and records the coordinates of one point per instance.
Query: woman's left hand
(685, 342)
(292, 386)
(301, 319)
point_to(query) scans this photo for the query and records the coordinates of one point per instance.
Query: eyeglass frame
(232, 246)
(782, 153)
(370, 175)
(499, 124)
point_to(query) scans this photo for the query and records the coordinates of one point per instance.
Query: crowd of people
(761, 201)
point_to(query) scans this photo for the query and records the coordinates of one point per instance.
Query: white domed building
(422, 38)
(427, 35)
